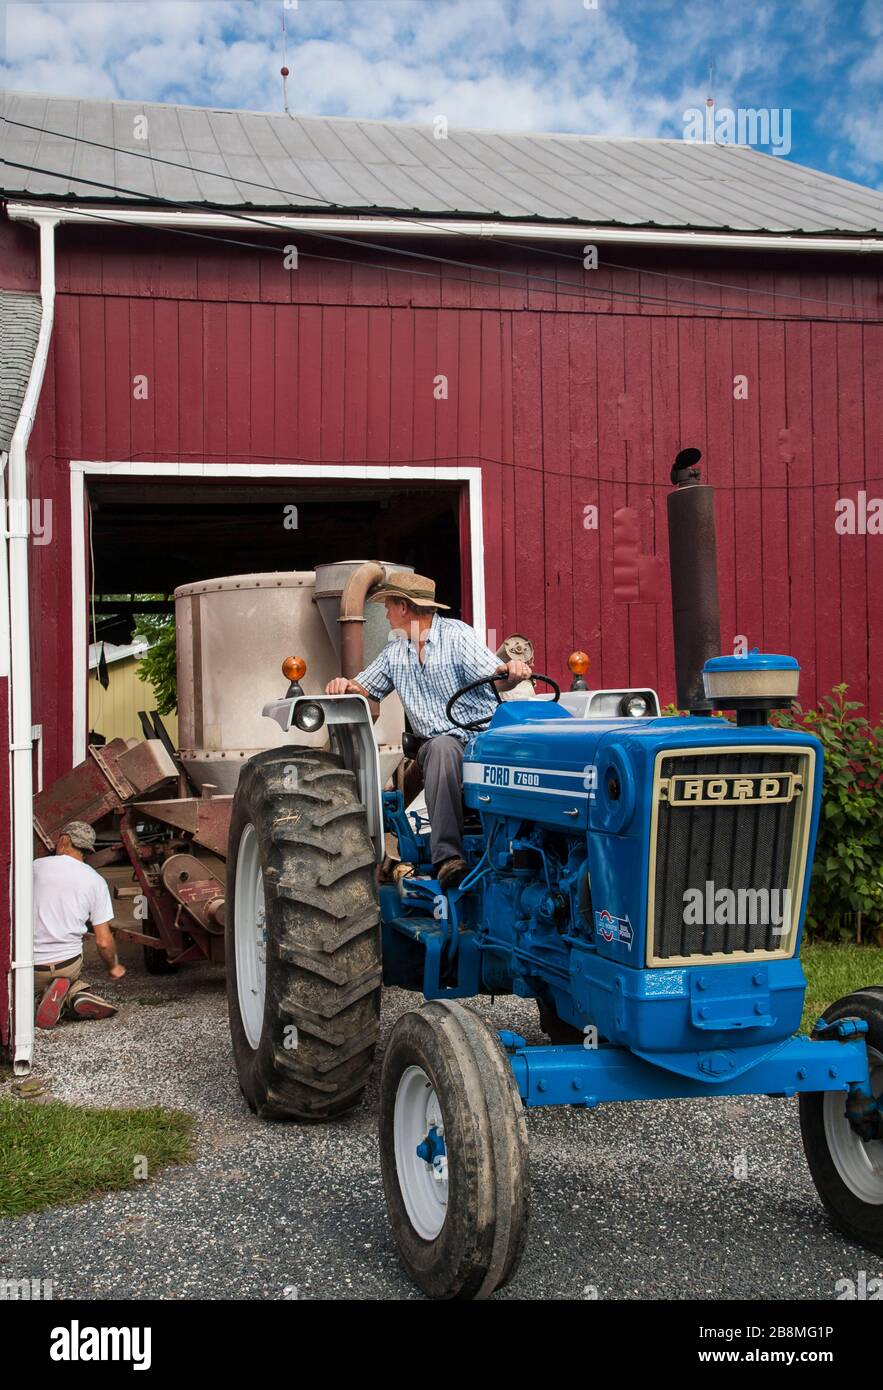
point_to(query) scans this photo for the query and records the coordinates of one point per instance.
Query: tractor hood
(605, 777)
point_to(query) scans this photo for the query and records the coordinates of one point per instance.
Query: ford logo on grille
(715, 788)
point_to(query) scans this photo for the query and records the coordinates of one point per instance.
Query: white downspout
(4, 667)
(20, 667)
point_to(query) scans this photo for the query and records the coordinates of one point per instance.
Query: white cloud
(546, 60)
(629, 67)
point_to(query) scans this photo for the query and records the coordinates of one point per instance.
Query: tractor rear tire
(302, 936)
(847, 1172)
(459, 1222)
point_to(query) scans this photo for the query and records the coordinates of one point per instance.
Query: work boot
(89, 1005)
(452, 873)
(50, 1007)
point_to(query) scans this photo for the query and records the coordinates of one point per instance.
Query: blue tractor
(643, 878)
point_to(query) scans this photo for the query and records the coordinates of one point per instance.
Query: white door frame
(391, 473)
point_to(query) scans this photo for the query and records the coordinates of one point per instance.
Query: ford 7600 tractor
(643, 878)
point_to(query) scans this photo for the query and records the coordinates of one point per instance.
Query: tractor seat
(411, 743)
(413, 782)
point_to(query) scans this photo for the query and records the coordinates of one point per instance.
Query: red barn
(470, 350)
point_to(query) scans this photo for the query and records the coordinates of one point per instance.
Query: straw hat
(416, 588)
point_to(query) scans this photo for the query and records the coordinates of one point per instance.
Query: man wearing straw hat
(430, 659)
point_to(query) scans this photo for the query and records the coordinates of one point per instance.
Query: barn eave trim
(402, 225)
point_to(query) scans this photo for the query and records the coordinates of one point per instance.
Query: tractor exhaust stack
(695, 606)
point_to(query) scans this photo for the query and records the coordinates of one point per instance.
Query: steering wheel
(475, 725)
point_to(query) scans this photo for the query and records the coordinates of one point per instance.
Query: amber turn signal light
(294, 668)
(579, 663)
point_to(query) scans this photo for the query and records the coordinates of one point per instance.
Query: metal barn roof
(327, 163)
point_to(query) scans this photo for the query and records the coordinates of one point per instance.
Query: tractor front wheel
(453, 1152)
(302, 936)
(847, 1170)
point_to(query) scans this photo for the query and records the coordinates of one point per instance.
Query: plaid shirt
(453, 656)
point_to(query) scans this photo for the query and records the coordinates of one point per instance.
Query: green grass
(834, 970)
(52, 1153)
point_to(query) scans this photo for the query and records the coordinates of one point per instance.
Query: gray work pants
(441, 761)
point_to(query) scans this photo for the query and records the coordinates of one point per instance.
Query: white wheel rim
(251, 936)
(860, 1165)
(424, 1186)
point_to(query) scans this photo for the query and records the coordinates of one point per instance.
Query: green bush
(846, 889)
(671, 711)
(157, 665)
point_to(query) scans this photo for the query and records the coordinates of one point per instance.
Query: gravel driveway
(631, 1201)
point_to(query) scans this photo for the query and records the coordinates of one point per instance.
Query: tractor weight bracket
(841, 1030)
(574, 1074)
(863, 1110)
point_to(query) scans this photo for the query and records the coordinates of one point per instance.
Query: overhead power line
(312, 200)
(576, 480)
(568, 289)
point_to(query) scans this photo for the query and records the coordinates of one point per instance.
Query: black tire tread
(323, 936)
(478, 1249)
(856, 1220)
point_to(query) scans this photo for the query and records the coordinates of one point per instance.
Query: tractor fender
(351, 735)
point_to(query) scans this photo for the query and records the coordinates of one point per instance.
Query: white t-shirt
(67, 895)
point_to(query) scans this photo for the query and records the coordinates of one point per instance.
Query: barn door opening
(150, 534)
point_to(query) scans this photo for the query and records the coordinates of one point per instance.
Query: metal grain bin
(232, 636)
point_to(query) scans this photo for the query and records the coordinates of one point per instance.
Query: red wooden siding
(565, 399)
(566, 392)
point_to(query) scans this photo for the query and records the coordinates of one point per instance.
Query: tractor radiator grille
(734, 844)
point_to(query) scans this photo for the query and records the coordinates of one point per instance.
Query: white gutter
(447, 227)
(21, 745)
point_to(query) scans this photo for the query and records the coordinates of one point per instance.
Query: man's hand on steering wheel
(503, 674)
(516, 670)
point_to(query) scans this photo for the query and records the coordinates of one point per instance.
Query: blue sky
(616, 67)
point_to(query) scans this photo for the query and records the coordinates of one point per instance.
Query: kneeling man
(430, 660)
(68, 895)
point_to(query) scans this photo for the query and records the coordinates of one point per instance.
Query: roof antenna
(284, 69)
(709, 106)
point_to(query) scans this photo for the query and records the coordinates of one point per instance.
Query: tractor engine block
(536, 897)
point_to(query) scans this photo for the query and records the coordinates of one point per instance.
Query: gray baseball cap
(81, 835)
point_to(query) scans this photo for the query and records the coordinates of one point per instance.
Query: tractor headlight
(309, 717)
(635, 705)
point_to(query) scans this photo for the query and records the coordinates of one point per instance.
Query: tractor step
(432, 937)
